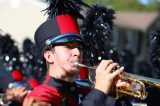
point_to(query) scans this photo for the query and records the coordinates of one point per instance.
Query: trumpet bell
(146, 80)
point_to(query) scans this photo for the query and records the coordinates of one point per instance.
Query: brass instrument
(2, 96)
(137, 84)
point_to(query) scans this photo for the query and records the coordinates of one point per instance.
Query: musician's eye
(72, 45)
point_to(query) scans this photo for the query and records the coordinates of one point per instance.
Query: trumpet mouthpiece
(82, 65)
(78, 64)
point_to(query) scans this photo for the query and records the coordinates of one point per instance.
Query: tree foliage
(129, 5)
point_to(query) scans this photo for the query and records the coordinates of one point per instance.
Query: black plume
(99, 20)
(96, 31)
(155, 49)
(9, 53)
(73, 7)
(32, 63)
(29, 47)
(7, 46)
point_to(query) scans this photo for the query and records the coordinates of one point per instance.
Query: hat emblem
(48, 42)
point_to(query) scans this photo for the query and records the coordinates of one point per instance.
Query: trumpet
(3, 97)
(137, 83)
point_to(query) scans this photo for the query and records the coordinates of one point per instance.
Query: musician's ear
(48, 55)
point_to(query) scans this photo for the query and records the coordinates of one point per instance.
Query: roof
(136, 20)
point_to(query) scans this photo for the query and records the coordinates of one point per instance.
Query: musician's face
(65, 56)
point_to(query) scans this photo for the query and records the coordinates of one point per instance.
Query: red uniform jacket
(58, 92)
(61, 93)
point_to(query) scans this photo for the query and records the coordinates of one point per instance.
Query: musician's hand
(34, 102)
(105, 75)
(16, 93)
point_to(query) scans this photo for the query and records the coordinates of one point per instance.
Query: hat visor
(67, 38)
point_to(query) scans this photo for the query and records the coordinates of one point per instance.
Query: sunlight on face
(65, 55)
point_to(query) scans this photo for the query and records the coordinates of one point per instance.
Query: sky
(144, 1)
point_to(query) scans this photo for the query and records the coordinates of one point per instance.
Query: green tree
(153, 5)
(129, 5)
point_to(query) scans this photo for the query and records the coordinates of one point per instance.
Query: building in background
(20, 18)
(133, 31)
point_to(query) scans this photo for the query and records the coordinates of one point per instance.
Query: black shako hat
(62, 29)
(61, 26)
